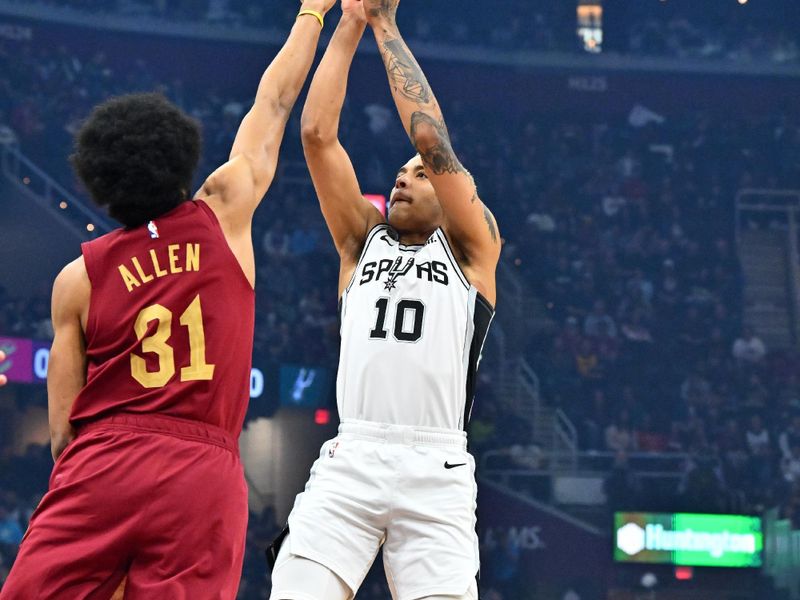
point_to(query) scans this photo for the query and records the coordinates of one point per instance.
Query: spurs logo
(398, 270)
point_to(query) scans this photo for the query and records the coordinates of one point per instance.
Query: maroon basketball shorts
(158, 500)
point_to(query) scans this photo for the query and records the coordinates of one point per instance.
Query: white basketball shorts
(409, 489)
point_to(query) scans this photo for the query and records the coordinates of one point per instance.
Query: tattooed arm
(348, 215)
(469, 224)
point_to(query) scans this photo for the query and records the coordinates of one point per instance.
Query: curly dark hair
(137, 154)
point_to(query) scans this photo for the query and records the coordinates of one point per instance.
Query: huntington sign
(688, 539)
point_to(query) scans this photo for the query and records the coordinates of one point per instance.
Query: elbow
(59, 440)
(312, 133)
(57, 446)
(427, 140)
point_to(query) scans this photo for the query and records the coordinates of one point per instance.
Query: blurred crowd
(650, 29)
(623, 229)
(629, 242)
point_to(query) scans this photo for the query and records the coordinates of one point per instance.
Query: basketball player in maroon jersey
(149, 371)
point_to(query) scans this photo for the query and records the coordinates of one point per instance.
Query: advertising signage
(304, 387)
(696, 540)
(300, 386)
(18, 366)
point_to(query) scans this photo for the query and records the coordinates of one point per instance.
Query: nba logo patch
(151, 227)
(332, 449)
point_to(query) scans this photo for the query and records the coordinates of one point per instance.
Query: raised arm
(236, 188)
(468, 222)
(348, 215)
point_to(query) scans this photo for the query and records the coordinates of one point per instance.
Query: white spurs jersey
(412, 330)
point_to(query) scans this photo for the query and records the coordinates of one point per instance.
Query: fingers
(3, 378)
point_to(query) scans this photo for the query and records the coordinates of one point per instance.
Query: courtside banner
(28, 360)
(697, 540)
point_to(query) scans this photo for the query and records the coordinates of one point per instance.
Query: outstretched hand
(381, 11)
(3, 378)
(354, 9)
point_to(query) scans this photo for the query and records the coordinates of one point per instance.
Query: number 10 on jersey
(409, 319)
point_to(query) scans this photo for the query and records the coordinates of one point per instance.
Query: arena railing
(65, 206)
(766, 205)
(548, 476)
(586, 462)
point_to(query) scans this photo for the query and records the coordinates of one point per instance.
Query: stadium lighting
(90, 227)
(62, 205)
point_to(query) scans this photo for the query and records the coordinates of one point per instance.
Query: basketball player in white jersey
(417, 296)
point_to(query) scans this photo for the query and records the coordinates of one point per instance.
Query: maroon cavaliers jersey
(170, 327)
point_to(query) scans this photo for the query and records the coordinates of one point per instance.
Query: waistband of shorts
(173, 426)
(403, 434)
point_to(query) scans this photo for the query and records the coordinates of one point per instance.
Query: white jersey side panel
(411, 338)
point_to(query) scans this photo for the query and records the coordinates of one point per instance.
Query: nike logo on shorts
(447, 465)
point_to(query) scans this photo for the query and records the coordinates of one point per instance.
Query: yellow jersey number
(192, 319)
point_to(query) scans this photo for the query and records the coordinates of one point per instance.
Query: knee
(298, 578)
(472, 594)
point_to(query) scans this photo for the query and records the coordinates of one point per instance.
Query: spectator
(635, 331)
(790, 437)
(790, 466)
(649, 438)
(733, 453)
(599, 321)
(620, 436)
(760, 449)
(703, 486)
(587, 361)
(571, 336)
(748, 348)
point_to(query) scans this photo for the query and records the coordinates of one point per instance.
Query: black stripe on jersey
(452, 258)
(370, 236)
(394, 240)
(482, 319)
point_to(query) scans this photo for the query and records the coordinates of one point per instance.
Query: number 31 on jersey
(192, 319)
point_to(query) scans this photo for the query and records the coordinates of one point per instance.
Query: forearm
(284, 78)
(61, 431)
(416, 103)
(323, 108)
(60, 441)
